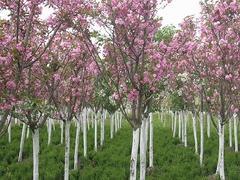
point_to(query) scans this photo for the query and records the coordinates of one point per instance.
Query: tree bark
(61, 126)
(49, 131)
(202, 138)
(76, 146)
(208, 126)
(179, 125)
(143, 150)
(22, 142)
(185, 128)
(84, 134)
(195, 133)
(67, 149)
(175, 124)
(35, 139)
(151, 141)
(230, 132)
(220, 165)
(95, 132)
(111, 126)
(235, 132)
(134, 154)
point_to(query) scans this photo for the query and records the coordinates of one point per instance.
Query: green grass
(171, 160)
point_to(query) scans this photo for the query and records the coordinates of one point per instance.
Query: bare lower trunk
(185, 129)
(183, 126)
(62, 126)
(76, 146)
(49, 131)
(102, 129)
(179, 125)
(22, 142)
(175, 124)
(208, 126)
(84, 135)
(202, 138)
(195, 133)
(67, 150)
(95, 132)
(9, 131)
(35, 139)
(134, 154)
(230, 132)
(111, 126)
(28, 132)
(220, 165)
(151, 141)
(143, 150)
(235, 132)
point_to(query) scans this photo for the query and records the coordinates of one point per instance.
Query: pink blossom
(11, 85)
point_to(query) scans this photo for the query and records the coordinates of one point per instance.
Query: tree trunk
(230, 132)
(62, 126)
(179, 125)
(143, 150)
(27, 132)
(111, 126)
(76, 146)
(134, 154)
(102, 129)
(49, 131)
(195, 132)
(208, 126)
(115, 123)
(175, 124)
(84, 134)
(95, 132)
(235, 132)
(67, 149)
(35, 139)
(202, 138)
(220, 165)
(9, 131)
(151, 141)
(22, 142)
(185, 128)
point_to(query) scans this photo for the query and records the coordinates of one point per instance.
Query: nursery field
(171, 159)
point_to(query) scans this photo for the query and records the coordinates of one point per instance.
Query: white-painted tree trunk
(201, 138)
(220, 165)
(10, 131)
(143, 150)
(102, 129)
(95, 132)
(172, 120)
(151, 141)
(49, 131)
(175, 124)
(111, 126)
(22, 142)
(53, 124)
(230, 132)
(61, 127)
(134, 154)
(208, 126)
(84, 134)
(76, 146)
(195, 133)
(35, 139)
(235, 132)
(67, 149)
(115, 122)
(179, 125)
(28, 132)
(185, 128)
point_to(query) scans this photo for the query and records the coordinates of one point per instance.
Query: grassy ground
(172, 161)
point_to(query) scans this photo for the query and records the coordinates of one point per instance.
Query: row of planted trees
(58, 67)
